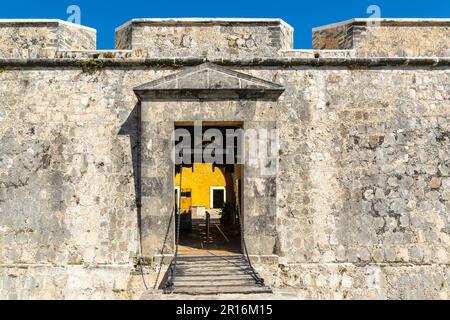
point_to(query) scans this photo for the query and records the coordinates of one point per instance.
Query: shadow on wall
(131, 128)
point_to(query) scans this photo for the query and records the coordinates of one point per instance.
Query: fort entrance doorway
(207, 192)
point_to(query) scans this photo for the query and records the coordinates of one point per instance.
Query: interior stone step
(242, 261)
(214, 281)
(221, 290)
(209, 269)
(211, 272)
(212, 258)
(212, 263)
(217, 277)
(206, 275)
(214, 267)
(234, 261)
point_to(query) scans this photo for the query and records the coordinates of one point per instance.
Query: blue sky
(105, 16)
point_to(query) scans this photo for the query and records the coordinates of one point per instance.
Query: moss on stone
(75, 263)
(91, 66)
(108, 55)
(172, 65)
(177, 66)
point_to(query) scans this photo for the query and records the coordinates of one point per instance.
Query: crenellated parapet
(226, 39)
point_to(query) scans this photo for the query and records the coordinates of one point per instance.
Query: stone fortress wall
(363, 189)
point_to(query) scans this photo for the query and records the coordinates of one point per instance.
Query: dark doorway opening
(207, 197)
(218, 198)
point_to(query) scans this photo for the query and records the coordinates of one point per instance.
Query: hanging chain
(170, 282)
(173, 266)
(255, 275)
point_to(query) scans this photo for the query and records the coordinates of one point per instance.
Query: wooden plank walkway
(215, 274)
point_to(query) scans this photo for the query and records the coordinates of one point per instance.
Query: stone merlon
(386, 37)
(201, 37)
(33, 38)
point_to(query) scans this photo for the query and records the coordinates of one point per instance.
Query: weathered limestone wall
(363, 191)
(365, 211)
(42, 38)
(201, 37)
(72, 282)
(67, 195)
(387, 37)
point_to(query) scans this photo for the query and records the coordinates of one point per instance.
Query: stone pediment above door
(209, 82)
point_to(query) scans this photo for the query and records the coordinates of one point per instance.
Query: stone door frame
(212, 94)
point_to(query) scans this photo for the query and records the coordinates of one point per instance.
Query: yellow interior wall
(199, 181)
